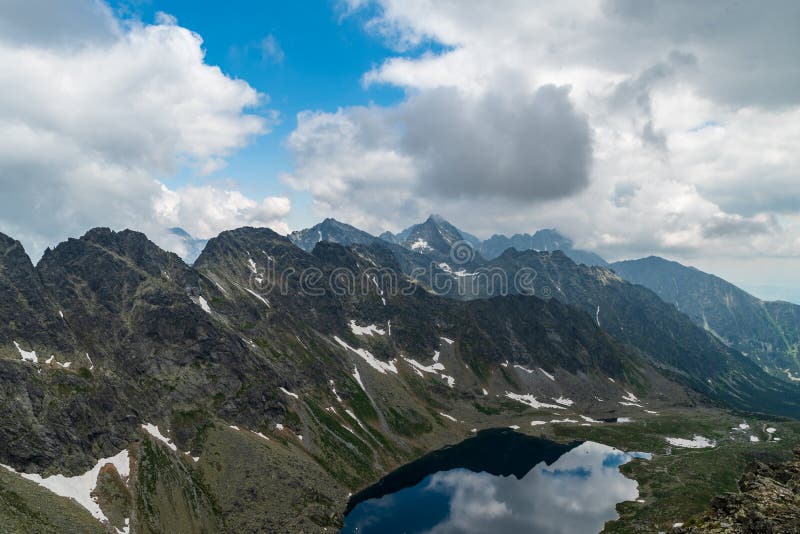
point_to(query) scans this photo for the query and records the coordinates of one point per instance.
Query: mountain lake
(498, 481)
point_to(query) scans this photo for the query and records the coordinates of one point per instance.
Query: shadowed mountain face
(316, 367)
(632, 314)
(256, 356)
(768, 332)
(637, 316)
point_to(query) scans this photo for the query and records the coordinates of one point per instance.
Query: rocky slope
(768, 501)
(630, 313)
(768, 332)
(166, 392)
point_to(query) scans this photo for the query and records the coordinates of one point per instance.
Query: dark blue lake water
(498, 482)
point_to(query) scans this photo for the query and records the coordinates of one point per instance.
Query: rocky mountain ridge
(262, 357)
(767, 332)
(111, 344)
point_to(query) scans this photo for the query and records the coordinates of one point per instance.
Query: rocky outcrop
(768, 502)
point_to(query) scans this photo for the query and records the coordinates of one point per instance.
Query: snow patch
(537, 423)
(354, 418)
(791, 376)
(564, 401)
(203, 303)
(450, 342)
(514, 427)
(333, 389)
(27, 356)
(754, 439)
(432, 369)
(259, 297)
(697, 442)
(80, 487)
(287, 392)
(531, 401)
(156, 433)
(630, 397)
(259, 434)
(365, 330)
(383, 299)
(771, 430)
(589, 419)
(548, 375)
(375, 363)
(357, 376)
(420, 244)
(450, 417)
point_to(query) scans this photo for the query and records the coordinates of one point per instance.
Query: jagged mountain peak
(547, 240)
(6, 242)
(245, 240)
(333, 231)
(12, 254)
(251, 232)
(433, 236)
(114, 247)
(550, 239)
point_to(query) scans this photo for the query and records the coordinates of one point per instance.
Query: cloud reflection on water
(576, 494)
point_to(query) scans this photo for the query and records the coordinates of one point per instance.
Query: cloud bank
(638, 127)
(101, 111)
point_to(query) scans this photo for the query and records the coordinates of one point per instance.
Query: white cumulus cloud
(675, 131)
(97, 115)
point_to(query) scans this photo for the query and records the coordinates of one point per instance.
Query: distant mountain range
(766, 332)
(436, 236)
(546, 240)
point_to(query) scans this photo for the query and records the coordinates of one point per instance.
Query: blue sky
(321, 60)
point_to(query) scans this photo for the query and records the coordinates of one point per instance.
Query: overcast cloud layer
(637, 127)
(93, 112)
